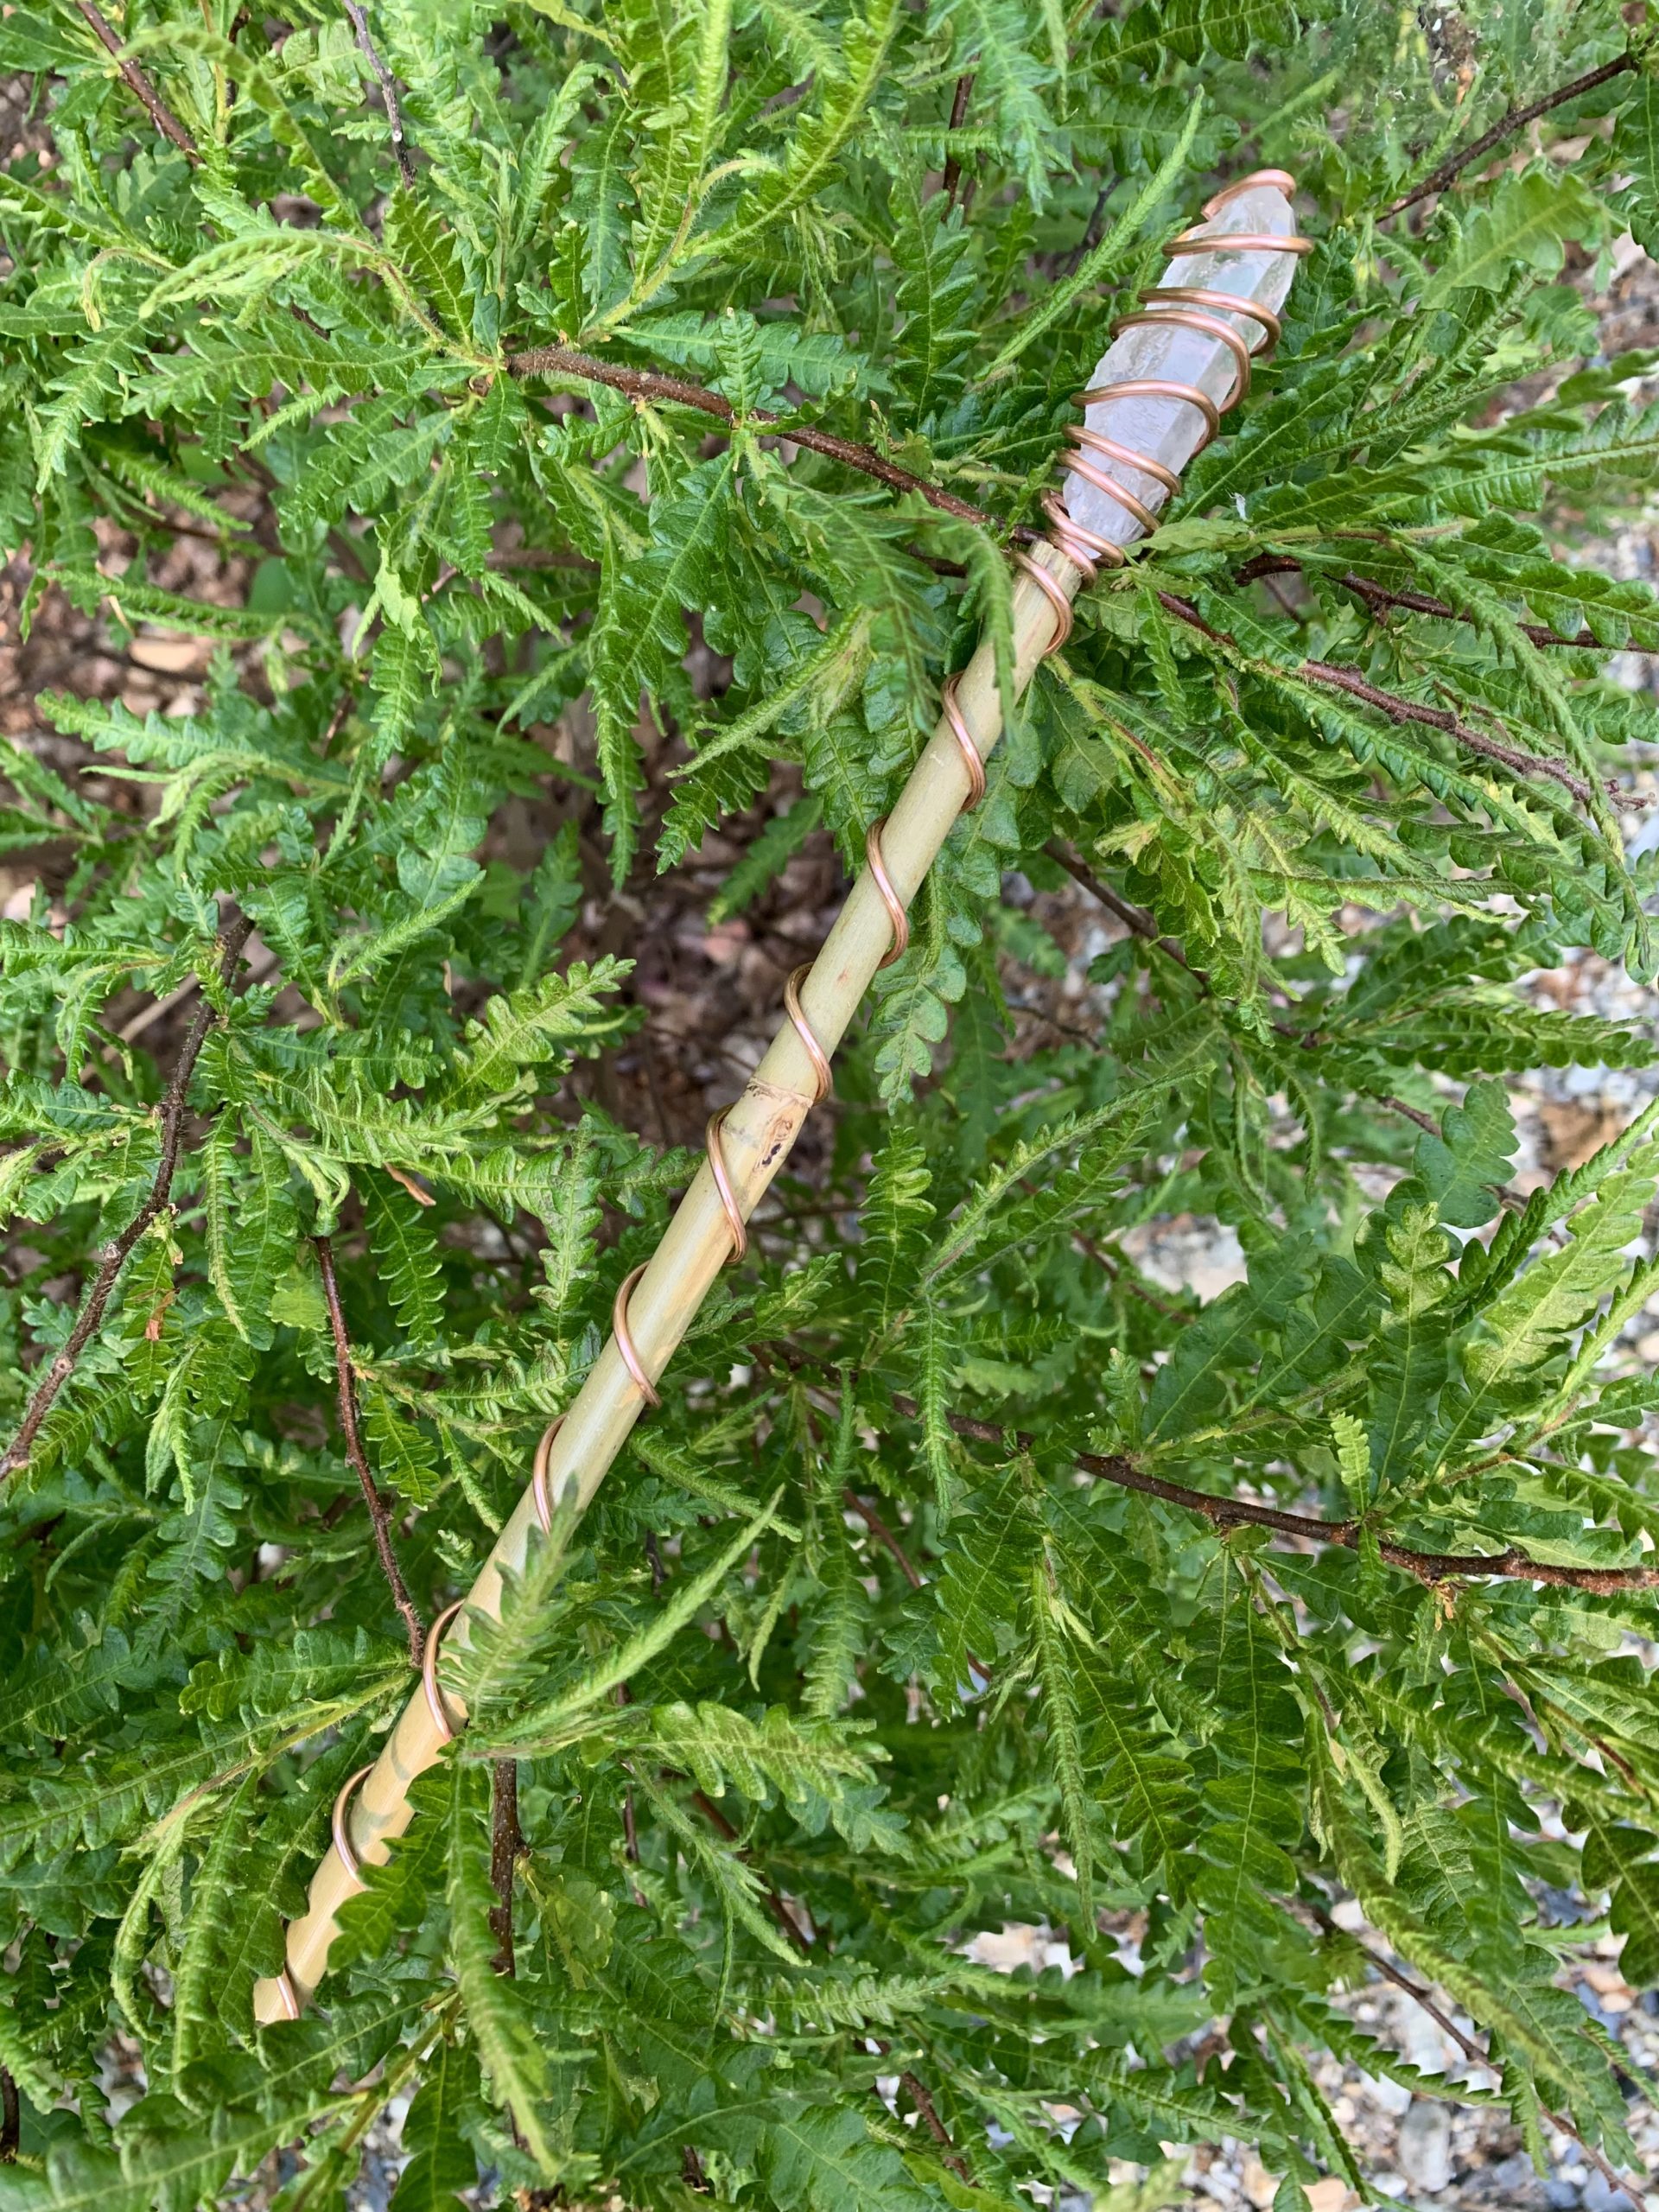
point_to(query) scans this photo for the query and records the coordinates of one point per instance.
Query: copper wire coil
(1054, 593)
(343, 1850)
(1157, 388)
(288, 1995)
(1097, 441)
(1152, 317)
(1282, 178)
(1077, 466)
(1085, 548)
(735, 1220)
(435, 1704)
(1195, 308)
(897, 917)
(1199, 295)
(821, 1069)
(952, 708)
(625, 1343)
(539, 1475)
(1237, 242)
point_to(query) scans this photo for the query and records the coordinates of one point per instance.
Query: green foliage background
(1099, 1696)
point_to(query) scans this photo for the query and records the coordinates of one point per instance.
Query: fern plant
(623, 414)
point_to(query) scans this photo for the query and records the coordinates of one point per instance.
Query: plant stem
(119, 1250)
(654, 385)
(388, 92)
(380, 1510)
(506, 1843)
(1505, 127)
(138, 81)
(1512, 1565)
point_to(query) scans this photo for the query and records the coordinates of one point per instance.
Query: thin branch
(160, 114)
(964, 92)
(1379, 597)
(1399, 709)
(884, 1536)
(1512, 1565)
(388, 92)
(1505, 127)
(1466, 2045)
(379, 1509)
(505, 1845)
(118, 1251)
(653, 384)
(917, 2092)
(1134, 918)
(780, 1911)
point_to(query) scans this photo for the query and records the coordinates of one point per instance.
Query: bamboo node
(341, 1830)
(625, 1342)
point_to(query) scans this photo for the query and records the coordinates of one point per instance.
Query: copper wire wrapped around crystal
(1194, 308)
(539, 1497)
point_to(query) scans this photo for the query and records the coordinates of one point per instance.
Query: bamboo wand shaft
(1171, 370)
(756, 1138)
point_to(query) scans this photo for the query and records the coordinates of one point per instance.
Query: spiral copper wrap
(341, 1833)
(1192, 306)
(823, 1074)
(733, 1212)
(442, 1725)
(883, 881)
(288, 1995)
(951, 708)
(539, 1497)
(625, 1342)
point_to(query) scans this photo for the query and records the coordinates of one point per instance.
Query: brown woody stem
(379, 1509)
(505, 1845)
(1505, 127)
(388, 92)
(137, 81)
(1512, 1565)
(651, 385)
(120, 1250)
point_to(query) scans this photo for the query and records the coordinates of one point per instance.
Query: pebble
(1425, 2152)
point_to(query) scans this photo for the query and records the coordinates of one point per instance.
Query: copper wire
(735, 1220)
(951, 706)
(343, 1850)
(1191, 307)
(1199, 295)
(289, 1995)
(1207, 325)
(435, 1704)
(625, 1343)
(822, 1072)
(1282, 178)
(895, 905)
(1055, 594)
(539, 1475)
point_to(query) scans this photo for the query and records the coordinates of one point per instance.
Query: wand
(1176, 363)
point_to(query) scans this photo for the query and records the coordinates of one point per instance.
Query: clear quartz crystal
(1172, 430)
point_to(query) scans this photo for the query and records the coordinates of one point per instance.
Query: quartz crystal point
(1172, 430)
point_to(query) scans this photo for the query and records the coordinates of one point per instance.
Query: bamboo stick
(760, 1128)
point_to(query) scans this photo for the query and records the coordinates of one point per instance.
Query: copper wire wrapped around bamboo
(747, 1142)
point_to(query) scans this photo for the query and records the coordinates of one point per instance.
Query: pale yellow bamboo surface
(757, 1137)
